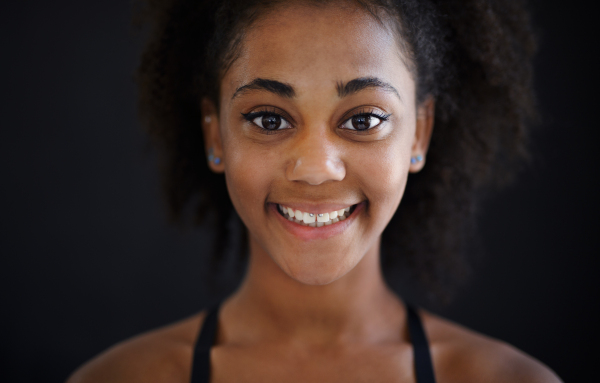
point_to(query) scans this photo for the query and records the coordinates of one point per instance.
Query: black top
(206, 339)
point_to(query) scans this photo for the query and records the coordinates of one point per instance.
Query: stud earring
(207, 119)
(211, 157)
(414, 160)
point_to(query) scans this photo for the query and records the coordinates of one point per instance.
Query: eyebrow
(343, 89)
(273, 86)
(359, 84)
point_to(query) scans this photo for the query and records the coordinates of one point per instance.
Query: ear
(212, 136)
(425, 118)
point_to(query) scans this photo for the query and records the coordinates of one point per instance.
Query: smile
(315, 219)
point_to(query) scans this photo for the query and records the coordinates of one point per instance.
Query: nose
(315, 159)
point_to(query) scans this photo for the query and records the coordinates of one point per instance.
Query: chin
(316, 279)
(315, 274)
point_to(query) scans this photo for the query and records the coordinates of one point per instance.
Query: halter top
(422, 356)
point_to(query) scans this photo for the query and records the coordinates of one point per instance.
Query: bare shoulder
(463, 355)
(161, 355)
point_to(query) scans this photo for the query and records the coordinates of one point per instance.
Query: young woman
(322, 124)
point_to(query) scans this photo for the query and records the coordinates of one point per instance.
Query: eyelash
(250, 117)
(373, 113)
(362, 113)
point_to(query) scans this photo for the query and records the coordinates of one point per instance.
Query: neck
(358, 306)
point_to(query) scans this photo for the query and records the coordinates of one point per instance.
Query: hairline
(391, 22)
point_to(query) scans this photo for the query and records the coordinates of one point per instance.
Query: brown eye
(362, 122)
(271, 122)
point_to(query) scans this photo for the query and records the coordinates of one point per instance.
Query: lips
(315, 230)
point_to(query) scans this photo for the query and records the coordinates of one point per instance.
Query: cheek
(384, 171)
(248, 171)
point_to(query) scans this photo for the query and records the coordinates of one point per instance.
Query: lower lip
(307, 233)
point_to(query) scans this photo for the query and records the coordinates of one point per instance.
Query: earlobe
(423, 131)
(212, 136)
(212, 158)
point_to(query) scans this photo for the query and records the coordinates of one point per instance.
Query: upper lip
(316, 208)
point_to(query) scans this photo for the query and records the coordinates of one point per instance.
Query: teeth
(308, 217)
(323, 217)
(314, 219)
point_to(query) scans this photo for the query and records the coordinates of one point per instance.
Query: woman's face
(317, 115)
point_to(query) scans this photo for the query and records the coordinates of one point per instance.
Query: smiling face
(317, 114)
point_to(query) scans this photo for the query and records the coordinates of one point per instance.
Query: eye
(363, 121)
(267, 120)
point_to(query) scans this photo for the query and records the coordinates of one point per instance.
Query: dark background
(88, 258)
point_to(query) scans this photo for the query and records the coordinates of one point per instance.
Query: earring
(207, 119)
(414, 160)
(211, 157)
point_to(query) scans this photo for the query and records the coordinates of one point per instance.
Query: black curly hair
(473, 56)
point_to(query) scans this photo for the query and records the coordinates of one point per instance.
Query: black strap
(422, 356)
(206, 339)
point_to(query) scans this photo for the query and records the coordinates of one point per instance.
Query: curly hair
(473, 56)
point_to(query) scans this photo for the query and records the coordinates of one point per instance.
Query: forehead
(316, 47)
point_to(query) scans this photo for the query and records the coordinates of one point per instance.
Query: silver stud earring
(414, 160)
(207, 119)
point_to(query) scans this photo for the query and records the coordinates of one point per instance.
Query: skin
(316, 308)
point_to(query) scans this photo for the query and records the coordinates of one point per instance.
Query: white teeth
(323, 217)
(308, 217)
(314, 219)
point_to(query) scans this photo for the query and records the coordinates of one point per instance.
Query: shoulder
(463, 355)
(162, 355)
